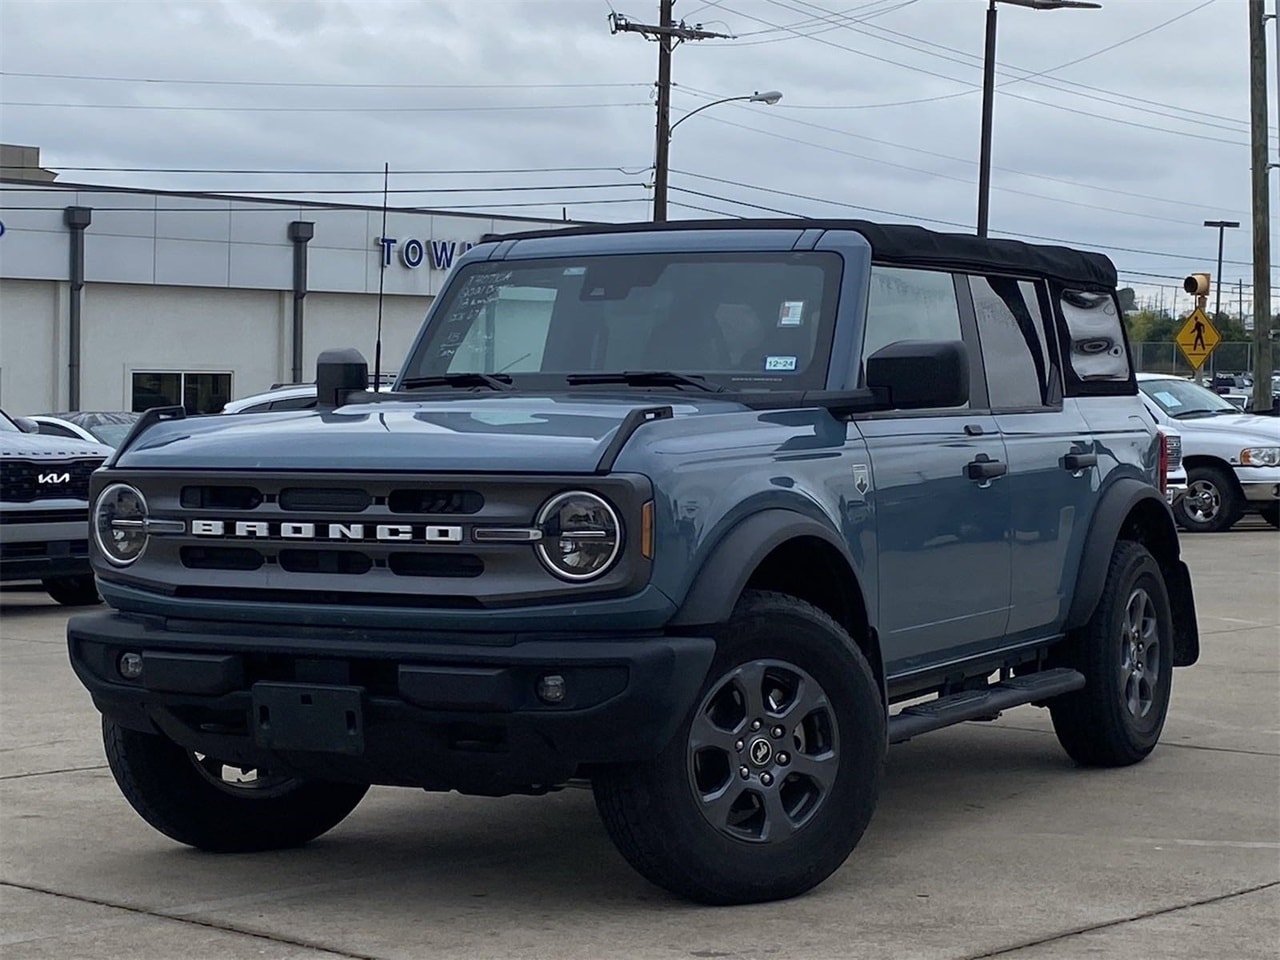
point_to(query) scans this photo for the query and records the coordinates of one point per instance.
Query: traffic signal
(1197, 284)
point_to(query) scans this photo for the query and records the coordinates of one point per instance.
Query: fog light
(551, 688)
(130, 665)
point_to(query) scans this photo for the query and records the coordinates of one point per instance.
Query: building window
(194, 392)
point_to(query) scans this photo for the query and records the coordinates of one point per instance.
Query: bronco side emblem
(861, 478)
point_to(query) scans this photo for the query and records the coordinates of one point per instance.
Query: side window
(1095, 339)
(55, 430)
(906, 304)
(291, 403)
(1019, 364)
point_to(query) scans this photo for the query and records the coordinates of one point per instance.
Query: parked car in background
(44, 510)
(1232, 458)
(96, 426)
(288, 396)
(1176, 472)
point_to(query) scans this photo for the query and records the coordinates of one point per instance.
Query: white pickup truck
(1232, 458)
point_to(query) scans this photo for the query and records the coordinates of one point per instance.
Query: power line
(950, 79)
(941, 156)
(953, 223)
(254, 109)
(319, 84)
(283, 171)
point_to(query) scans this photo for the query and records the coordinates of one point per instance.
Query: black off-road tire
(79, 591)
(663, 814)
(1116, 719)
(1213, 502)
(1271, 513)
(163, 784)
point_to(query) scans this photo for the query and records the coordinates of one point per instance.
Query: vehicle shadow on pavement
(402, 849)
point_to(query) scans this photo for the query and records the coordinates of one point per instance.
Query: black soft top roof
(900, 243)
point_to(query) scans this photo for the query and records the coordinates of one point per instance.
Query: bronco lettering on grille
(358, 532)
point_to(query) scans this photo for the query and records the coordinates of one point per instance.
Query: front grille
(59, 548)
(313, 597)
(435, 501)
(45, 516)
(1174, 446)
(24, 481)
(220, 558)
(324, 500)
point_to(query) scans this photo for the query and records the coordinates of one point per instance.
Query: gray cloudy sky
(1120, 129)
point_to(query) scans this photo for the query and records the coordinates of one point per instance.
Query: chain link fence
(1229, 357)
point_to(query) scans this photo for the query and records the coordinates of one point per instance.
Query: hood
(1248, 427)
(36, 446)
(493, 434)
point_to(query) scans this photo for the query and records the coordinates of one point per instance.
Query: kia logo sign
(54, 477)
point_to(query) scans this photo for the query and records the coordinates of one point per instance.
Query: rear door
(1053, 473)
(942, 525)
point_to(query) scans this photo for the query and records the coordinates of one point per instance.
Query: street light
(988, 91)
(1222, 226)
(661, 165)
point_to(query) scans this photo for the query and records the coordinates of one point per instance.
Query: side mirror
(339, 373)
(916, 374)
(27, 425)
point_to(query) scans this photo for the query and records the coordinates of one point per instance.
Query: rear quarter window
(1093, 343)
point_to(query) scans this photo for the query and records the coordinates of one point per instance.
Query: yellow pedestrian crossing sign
(1197, 338)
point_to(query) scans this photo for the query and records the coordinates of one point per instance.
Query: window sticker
(1168, 399)
(779, 363)
(791, 314)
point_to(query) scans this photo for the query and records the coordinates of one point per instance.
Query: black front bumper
(442, 712)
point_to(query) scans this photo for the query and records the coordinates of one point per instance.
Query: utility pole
(668, 35)
(1261, 207)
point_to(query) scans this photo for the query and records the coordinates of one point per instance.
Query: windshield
(1182, 399)
(111, 433)
(741, 321)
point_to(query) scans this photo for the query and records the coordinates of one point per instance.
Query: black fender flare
(727, 568)
(1114, 509)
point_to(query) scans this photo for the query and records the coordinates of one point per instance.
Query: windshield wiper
(646, 378)
(494, 381)
(1188, 414)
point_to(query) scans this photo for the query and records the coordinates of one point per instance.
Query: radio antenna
(384, 253)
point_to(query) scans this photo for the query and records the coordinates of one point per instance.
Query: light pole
(1222, 226)
(661, 166)
(988, 91)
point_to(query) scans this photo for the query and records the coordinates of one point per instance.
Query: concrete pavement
(987, 842)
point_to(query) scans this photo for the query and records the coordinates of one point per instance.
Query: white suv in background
(1232, 458)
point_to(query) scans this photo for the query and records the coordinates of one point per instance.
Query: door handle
(1079, 461)
(984, 468)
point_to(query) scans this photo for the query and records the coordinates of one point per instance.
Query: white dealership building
(123, 299)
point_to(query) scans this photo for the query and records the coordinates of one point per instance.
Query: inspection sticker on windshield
(779, 363)
(791, 314)
(1168, 399)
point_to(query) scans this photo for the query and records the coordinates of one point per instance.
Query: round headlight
(581, 536)
(119, 523)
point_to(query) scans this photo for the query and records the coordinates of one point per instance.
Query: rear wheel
(78, 591)
(770, 781)
(1212, 502)
(1126, 655)
(205, 803)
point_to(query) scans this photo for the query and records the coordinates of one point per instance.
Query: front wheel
(1126, 655)
(771, 780)
(1271, 513)
(1212, 502)
(205, 803)
(79, 591)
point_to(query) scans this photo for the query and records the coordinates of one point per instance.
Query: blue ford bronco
(705, 514)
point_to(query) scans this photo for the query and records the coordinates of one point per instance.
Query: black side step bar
(981, 704)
